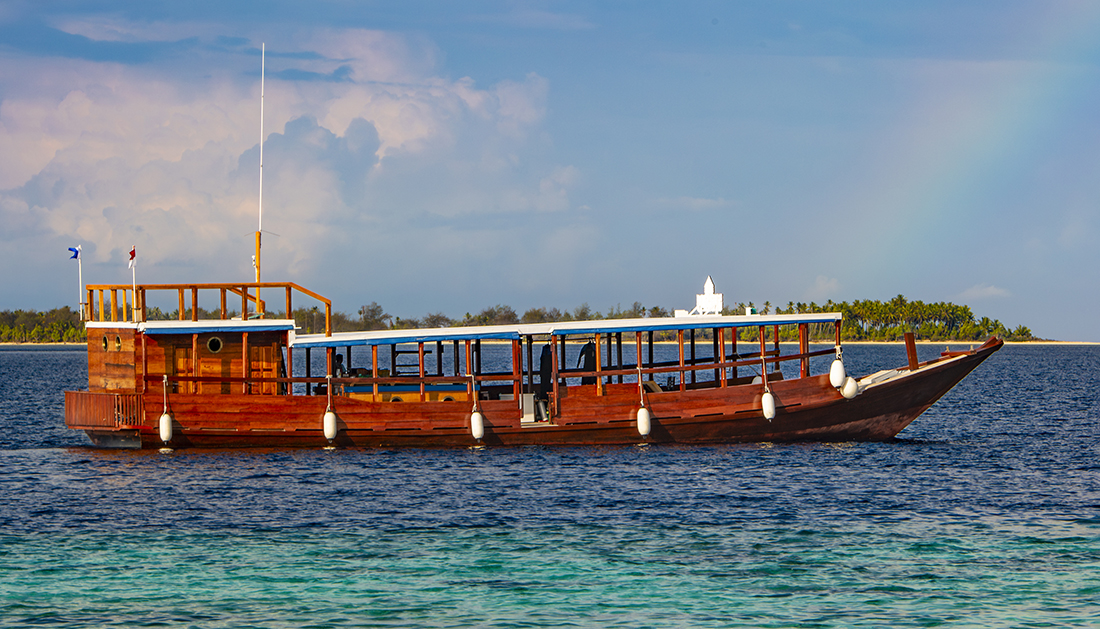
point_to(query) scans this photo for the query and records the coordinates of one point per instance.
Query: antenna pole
(260, 222)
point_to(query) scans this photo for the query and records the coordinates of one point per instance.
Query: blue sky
(445, 156)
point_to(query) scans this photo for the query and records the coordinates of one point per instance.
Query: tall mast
(260, 222)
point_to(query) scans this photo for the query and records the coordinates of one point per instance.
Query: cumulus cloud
(982, 291)
(111, 155)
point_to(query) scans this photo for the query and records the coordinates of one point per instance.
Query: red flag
(133, 256)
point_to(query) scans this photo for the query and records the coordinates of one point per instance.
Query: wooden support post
(114, 308)
(144, 363)
(374, 370)
(838, 333)
(599, 379)
(680, 348)
(244, 303)
(692, 333)
(246, 362)
(911, 351)
(619, 353)
(556, 409)
(763, 351)
(419, 366)
(720, 333)
(194, 388)
(733, 351)
(471, 389)
(638, 353)
(530, 364)
(651, 354)
(289, 364)
(309, 370)
(194, 304)
(329, 353)
(562, 358)
(221, 305)
(456, 359)
(181, 309)
(715, 349)
(517, 373)
(804, 348)
(289, 310)
(775, 338)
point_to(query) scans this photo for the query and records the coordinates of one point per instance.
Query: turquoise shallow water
(981, 574)
(986, 513)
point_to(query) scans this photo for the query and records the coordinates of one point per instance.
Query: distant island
(864, 320)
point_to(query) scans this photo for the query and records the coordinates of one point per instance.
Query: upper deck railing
(133, 305)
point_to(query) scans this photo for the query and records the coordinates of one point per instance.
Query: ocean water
(984, 513)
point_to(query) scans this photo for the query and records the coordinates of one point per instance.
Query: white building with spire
(709, 303)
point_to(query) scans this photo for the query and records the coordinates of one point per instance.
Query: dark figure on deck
(587, 362)
(546, 373)
(338, 370)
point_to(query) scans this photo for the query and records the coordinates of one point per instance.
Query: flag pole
(80, 279)
(260, 222)
(133, 270)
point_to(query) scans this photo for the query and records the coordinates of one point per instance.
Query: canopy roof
(561, 328)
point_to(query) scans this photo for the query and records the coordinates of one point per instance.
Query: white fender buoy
(477, 425)
(768, 404)
(643, 421)
(165, 427)
(836, 374)
(851, 388)
(329, 424)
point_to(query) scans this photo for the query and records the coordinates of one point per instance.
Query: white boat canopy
(560, 328)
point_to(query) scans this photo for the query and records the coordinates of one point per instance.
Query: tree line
(60, 325)
(864, 320)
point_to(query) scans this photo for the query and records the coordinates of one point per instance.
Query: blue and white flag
(76, 252)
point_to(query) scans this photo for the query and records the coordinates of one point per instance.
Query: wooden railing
(702, 364)
(133, 305)
(102, 409)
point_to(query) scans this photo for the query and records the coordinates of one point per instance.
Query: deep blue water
(984, 513)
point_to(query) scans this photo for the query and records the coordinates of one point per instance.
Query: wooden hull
(808, 409)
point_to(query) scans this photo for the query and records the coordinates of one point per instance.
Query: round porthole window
(105, 343)
(396, 399)
(118, 343)
(214, 344)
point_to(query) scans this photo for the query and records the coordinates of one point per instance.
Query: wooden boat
(228, 383)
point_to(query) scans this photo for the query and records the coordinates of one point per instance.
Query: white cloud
(824, 288)
(110, 155)
(103, 28)
(982, 291)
